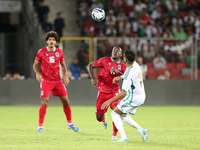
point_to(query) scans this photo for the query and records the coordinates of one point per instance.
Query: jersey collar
(51, 50)
(114, 60)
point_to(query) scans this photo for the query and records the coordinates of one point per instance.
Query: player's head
(129, 57)
(51, 38)
(116, 52)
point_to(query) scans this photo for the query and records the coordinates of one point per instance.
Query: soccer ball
(98, 14)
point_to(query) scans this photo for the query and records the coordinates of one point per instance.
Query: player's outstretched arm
(116, 79)
(90, 68)
(35, 68)
(118, 97)
(64, 69)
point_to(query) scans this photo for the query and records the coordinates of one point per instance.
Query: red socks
(42, 113)
(68, 114)
(114, 130)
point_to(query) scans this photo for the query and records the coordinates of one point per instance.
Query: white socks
(118, 123)
(126, 118)
(117, 119)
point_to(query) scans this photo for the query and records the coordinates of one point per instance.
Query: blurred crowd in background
(42, 11)
(162, 32)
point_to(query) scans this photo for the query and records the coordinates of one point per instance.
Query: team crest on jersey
(57, 54)
(119, 67)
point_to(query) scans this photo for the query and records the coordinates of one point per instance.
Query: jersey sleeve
(98, 63)
(62, 56)
(127, 82)
(39, 55)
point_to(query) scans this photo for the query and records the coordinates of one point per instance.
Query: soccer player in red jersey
(109, 67)
(49, 59)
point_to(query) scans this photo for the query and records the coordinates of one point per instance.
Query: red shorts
(57, 87)
(102, 97)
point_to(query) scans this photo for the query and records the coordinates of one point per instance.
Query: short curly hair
(52, 34)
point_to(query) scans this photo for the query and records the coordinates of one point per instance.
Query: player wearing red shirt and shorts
(109, 67)
(50, 58)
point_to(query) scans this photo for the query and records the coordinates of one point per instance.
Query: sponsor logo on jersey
(57, 54)
(119, 67)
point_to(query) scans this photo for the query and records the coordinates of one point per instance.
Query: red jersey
(50, 63)
(105, 77)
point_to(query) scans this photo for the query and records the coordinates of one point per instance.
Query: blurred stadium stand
(146, 27)
(19, 39)
(21, 36)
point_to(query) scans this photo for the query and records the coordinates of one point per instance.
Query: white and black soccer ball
(98, 14)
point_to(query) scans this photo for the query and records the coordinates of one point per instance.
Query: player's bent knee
(45, 101)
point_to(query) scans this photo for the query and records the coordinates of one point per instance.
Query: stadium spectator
(17, 76)
(126, 8)
(118, 5)
(143, 21)
(168, 34)
(111, 31)
(156, 13)
(132, 15)
(170, 4)
(157, 29)
(139, 6)
(111, 19)
(59, 25)
(177, 20)
(148, 52)
(42, 11)
(159, 61)
(166, 76)
(190, 17)
(8, 76)
(142, 66)
(36, 3)
(124, 27)
(88, 27)
(179, 33)
(96, 4)
(46, 25)
(77, 72)
(83, 57)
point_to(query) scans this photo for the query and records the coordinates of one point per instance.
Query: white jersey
(133, 85)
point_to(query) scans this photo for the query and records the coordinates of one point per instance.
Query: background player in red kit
(50, 58)
(109, 67)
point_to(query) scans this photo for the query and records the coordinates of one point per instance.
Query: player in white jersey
(133, 95)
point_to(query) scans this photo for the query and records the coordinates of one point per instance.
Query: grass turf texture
(169, 128)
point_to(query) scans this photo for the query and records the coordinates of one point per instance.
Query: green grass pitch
(169, 128)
